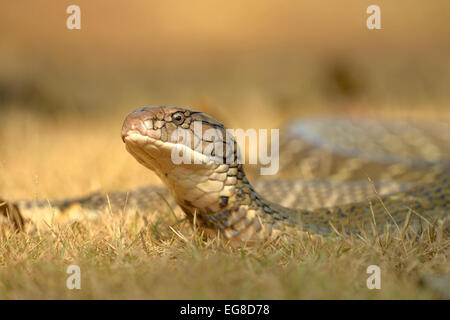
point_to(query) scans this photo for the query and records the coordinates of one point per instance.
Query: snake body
(218, 197)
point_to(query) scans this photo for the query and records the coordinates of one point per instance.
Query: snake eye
(178, 118)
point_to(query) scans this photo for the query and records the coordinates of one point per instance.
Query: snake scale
(408, 163)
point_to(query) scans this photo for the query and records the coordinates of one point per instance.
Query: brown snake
(220, 198)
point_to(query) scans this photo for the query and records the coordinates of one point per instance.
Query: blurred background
(251, 64)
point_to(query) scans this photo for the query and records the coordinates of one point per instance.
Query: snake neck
(229, 203)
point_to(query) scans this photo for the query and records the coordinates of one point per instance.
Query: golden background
(64, 93)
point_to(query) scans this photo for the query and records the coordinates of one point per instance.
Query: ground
(122, 260)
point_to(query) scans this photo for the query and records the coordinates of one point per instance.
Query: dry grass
(122, 256)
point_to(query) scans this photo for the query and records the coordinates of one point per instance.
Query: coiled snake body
(220, 199)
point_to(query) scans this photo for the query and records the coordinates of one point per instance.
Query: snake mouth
(126, 134)
(137, 141)
(144, 149)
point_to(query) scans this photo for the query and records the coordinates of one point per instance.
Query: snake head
(157, 130)
(190, 151)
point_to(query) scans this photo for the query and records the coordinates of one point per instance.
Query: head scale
(208, 168)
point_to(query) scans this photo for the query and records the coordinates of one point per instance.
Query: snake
(337, 174)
